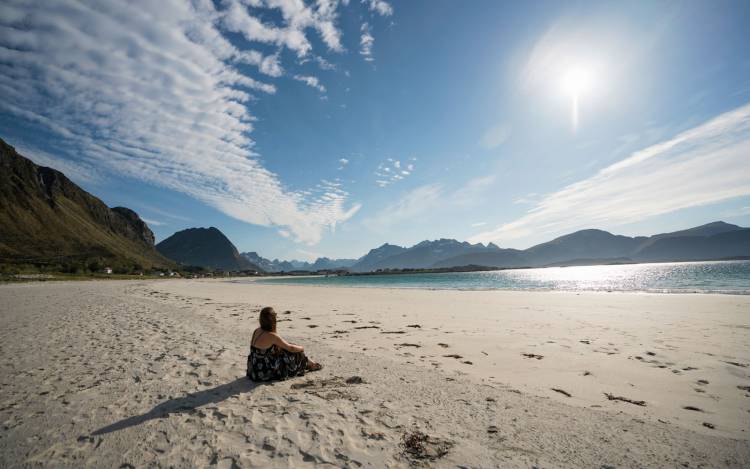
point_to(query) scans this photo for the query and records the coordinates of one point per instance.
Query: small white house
(108, 270)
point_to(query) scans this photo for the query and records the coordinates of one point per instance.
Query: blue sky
(327, 128)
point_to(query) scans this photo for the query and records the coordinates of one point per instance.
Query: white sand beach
(151, 373)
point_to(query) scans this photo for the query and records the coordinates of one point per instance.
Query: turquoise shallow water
(699, 277)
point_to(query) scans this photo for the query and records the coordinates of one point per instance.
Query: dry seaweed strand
(612, 397)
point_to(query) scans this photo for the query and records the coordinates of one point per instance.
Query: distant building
(108, 270)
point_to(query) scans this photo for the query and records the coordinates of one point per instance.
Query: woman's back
(263, 339)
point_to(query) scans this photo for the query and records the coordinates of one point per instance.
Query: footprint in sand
(693, 408)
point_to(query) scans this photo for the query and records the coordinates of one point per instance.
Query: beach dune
(151, 373)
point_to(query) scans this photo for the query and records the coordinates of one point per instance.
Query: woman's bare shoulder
(275, 337)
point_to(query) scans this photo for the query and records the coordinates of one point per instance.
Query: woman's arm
(281, 343)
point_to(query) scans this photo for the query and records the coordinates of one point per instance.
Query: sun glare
(577, 81)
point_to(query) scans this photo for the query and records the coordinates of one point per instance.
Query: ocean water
(677, 277)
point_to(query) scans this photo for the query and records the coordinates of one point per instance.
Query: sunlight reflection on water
(720, 276)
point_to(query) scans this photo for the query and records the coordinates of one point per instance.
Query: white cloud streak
(310, 81)
(164, 213)
(297, 18)
(380, 7)
(153, 222)
(152, 91)
(366, 42)
(701, 166)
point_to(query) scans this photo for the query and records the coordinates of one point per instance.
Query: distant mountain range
(422, 255)
(46, 219)
(321, 263)
(717, 240)
(205, 247)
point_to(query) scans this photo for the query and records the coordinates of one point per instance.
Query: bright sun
(577, 81)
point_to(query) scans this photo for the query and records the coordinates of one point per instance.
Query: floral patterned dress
(274, 363)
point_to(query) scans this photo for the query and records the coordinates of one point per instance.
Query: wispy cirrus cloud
(414, 204)
(472, 192)
(530, 198)
(738, 212)
(426, 201)
(700, 166)
(155, 91)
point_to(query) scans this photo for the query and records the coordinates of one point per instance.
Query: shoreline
(530, 290)
(281, 282)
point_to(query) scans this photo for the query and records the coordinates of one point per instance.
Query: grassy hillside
(48, 221)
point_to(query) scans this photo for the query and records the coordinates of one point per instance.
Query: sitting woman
(272, 357)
